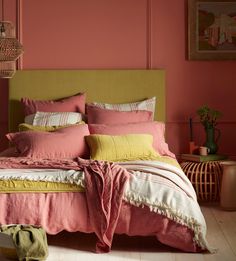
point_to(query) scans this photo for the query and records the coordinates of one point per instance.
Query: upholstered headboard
(110, 86)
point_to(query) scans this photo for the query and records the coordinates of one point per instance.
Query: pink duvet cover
(68, 211)
(101, 209)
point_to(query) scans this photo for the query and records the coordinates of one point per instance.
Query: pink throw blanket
(105, 183)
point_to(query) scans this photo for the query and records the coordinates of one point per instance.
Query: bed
(136, 197)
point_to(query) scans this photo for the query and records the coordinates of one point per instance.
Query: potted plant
(208, 117)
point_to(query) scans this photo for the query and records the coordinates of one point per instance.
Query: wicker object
(7, 69)
(205, 178)
(10, 49)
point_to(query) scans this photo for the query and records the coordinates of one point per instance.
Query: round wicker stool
(205, 178)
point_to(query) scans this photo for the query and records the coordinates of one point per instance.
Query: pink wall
(131, 34)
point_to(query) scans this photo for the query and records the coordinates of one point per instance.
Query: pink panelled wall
(191, 84)
(94, 34)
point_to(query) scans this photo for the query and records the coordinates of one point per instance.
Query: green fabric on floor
(30, 241)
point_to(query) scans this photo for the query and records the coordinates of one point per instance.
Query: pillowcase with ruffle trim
(63, 143)
(102, 116)
(74, 103)
(145, 105)
(156, 129)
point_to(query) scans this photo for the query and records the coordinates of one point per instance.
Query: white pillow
(53, 118)
(145, 105)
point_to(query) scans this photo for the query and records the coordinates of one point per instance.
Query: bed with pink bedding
(135, 198)
(71, 178)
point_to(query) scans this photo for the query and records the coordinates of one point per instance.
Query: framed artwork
(211, 30)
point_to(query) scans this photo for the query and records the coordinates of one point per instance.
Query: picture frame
(211, 30)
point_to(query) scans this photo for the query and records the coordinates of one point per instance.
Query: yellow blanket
(16, 186)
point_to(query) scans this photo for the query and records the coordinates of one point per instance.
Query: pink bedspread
(104, 191)
(99, 210)
(105, 183)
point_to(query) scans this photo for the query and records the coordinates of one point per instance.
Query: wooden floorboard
(227, 224)
(78, 247)
(216, 237)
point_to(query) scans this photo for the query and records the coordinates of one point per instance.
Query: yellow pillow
(122, 147)
(28, 127)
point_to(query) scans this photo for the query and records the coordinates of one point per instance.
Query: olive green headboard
(110, 86)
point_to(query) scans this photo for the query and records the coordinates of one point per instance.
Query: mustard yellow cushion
(122, 147)
(28, 127)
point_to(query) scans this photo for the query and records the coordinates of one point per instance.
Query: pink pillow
(63, 143)
(102, 116)
(71, 104)
(156, 129)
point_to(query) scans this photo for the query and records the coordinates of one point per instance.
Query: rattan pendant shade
(10, 49)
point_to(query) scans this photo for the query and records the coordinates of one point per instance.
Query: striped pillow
(53, 118)
(145, 105)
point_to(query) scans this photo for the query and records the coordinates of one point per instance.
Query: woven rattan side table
(205, 177)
